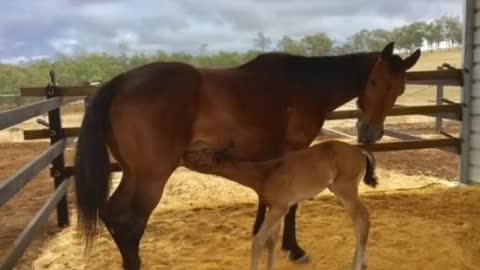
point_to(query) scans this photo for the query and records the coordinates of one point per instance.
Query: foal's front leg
(271, 243)
(348, 195)
(289, 243)
(272, 220)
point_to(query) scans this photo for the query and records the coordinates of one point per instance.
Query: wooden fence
(58, 96)
(54, 155)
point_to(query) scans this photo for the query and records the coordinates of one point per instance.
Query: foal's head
(385, 83)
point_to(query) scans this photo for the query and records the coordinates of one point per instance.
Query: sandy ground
(419, 221)
(205, 222)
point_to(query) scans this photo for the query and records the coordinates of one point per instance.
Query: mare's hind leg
(151, 121)
(346, 191)
(127, 213)
(116, 215)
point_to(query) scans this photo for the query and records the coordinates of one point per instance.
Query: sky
(32, 29)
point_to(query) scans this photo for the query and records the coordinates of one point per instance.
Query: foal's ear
(387, 51)
(410, 61)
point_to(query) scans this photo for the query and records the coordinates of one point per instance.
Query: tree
(377, 39)
(262, 42)
(440, 33)
(317, 44)
(346, 48)
(433, 34)
(289, 45)
(416, 34)
(358, 42)
(409, 37)
(453, 30)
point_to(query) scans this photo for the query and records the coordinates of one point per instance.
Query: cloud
(45, 28)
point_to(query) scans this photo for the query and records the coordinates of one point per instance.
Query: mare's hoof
(304, 259)
(299, 257)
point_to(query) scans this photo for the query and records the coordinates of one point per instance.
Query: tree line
(444, 30)
(79, 69)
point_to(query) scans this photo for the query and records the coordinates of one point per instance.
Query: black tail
(370, 177)
(92, 172)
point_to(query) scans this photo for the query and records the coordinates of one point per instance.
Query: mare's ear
(410, 61)
(387, 52)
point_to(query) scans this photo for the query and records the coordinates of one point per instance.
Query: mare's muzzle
(367, 133)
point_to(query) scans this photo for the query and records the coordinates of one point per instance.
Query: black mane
(330, 72)
(349, 71)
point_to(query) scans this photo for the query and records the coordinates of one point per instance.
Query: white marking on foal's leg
(347, 194)
(361, 221)
(271, 243)
(257, 247)
(273, 219)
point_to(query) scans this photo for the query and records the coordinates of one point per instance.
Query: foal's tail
(370, 177)
(92, 174)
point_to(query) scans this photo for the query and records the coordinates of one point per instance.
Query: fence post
(58, 164)
(439, 101)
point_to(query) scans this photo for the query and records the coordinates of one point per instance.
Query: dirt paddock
(419, 221)
(432, 228)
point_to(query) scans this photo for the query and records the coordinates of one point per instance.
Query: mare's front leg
(289, 243)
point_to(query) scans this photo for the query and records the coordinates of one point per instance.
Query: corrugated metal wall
(470, 171)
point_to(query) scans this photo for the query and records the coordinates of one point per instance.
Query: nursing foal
(295, 177)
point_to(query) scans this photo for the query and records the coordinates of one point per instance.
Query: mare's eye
(373, 82)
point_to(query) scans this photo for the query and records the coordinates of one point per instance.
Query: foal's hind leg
(346, 191)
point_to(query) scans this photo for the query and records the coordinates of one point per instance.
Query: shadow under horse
(149, 116)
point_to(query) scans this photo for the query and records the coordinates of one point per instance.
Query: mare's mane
(324, 73)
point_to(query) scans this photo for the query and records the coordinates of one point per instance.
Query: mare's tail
(92, 172)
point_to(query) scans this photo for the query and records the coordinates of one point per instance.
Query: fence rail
(451, 111)
(14, 184)
(453, 143)
(446, 77)
(19, 115)
(449, 77)
(28, 234)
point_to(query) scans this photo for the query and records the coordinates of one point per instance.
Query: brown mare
(292, 178)
(148, 117)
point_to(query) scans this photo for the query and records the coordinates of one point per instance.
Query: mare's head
(385, 84)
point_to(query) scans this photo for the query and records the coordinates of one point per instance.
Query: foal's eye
(373, 82)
